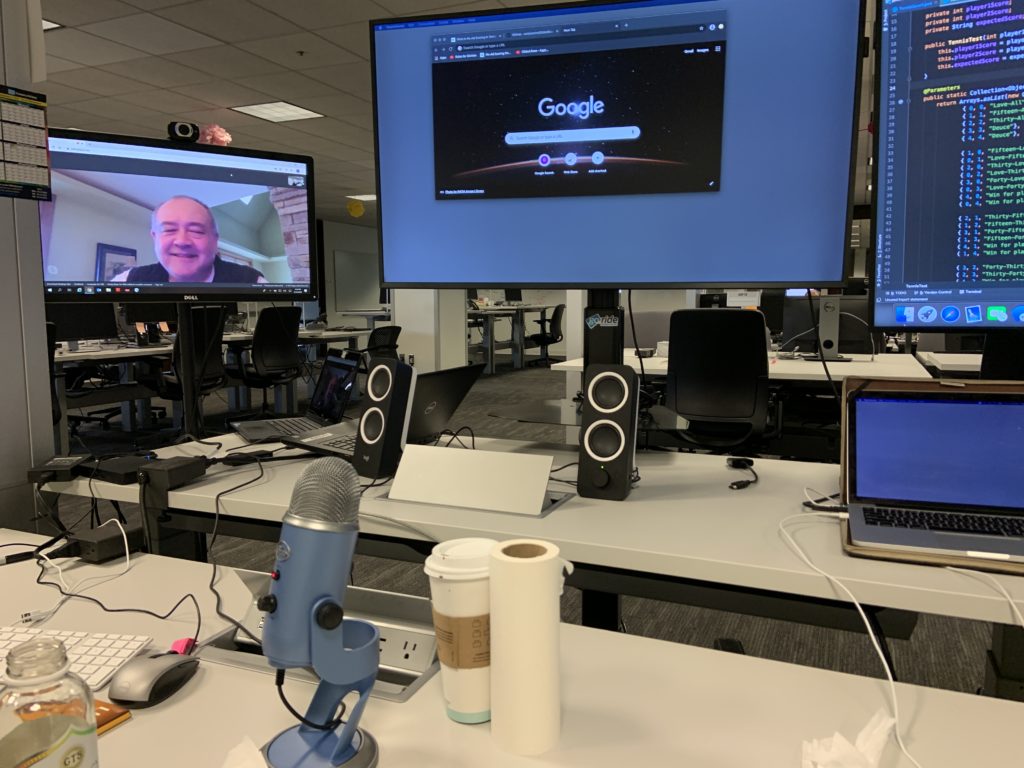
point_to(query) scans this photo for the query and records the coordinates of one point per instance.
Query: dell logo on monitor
(191, 297)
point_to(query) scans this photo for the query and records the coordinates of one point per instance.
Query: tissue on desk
(837, 752)
(245, 754)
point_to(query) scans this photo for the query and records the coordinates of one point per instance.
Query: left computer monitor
(137, 219)
(79, 322)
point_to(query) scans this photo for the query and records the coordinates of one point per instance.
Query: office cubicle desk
(792, 369)
(682, 535)
(952, 364)
(625, 699)
(371, 316)
(517, 339)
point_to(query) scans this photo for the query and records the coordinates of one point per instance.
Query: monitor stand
(828, 331)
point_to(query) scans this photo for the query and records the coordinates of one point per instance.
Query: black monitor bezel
(847, 258)
(192, 294)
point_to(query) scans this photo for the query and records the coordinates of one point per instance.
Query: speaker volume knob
(600, 477)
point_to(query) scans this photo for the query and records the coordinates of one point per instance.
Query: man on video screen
(185, 239)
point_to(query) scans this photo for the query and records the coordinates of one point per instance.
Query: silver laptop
(326, 407)
(937, 472)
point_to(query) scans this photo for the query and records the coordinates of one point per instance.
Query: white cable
(807, 495)
(867, 625)
(78, 588)
(998, 587)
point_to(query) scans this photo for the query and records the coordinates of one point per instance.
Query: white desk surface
(682, 521)
(305, 335)
(374, 311)
(112, 353)
(952, 362)
(507, 308)
(626, 700)
(780, 369)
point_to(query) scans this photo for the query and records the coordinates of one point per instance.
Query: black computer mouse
(148, 680)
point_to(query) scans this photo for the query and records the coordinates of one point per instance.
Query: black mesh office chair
(273, 357)
(383, 342)
(51, 352)
(718, 376)
(207, 356)
(550, 333)
(1003, 356)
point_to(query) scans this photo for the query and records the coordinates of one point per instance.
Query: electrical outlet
(403, 648)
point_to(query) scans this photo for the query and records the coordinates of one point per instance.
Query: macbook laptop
(327, 406)
(434, 400)
(937, 472)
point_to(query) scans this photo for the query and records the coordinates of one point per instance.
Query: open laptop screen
(333, 389)
(944, 451)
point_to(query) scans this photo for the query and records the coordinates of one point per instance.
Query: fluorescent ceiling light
(277, 112)
(364, 198)
(50, 25)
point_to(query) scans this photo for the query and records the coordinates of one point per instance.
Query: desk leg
(128, 422)
(284, 398)
(518, 339)
(1004, 668)
(601, 610)
(883, 643)
(173, 542)
(62, 435)
(489, 342)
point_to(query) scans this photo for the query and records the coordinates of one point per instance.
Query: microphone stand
(346, 657)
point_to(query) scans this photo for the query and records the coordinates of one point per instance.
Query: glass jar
(47, 719)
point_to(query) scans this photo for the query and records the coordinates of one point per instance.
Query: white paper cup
(459, 572)
(662, 349)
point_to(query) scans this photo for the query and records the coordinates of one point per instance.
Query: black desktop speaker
(608, 432)
(385, 420)
(603, 335)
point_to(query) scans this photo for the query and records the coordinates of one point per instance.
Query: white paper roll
(526, 581)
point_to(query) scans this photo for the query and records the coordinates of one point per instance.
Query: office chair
(51, 352)
(1003, 356)
(208, 360)
(718, 376)
(383, 342)
(273, 356)
(550, 333)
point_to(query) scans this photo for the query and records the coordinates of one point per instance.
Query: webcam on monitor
(179, 131)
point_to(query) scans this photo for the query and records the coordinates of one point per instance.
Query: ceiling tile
(331, 152)
(150, 33)
(337, 104)
(73, 13)
(53, 64)
(152, 5)
(354, 37)
(336, 130)
(117, 110)
(363, 121)
(67, 117)
(96, 81)
(168, 102)
(226, 61)
(287, 85)
(223, 93)
(162, 73)
(75, 45)
(414, 7)
(316, 14)
(227, 118)
(229, 20)
(64, 94)
(352, 78)
(299, 51)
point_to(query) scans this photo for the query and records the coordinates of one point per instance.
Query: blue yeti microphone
(305, 624)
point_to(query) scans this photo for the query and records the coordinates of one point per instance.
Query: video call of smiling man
(185, 239)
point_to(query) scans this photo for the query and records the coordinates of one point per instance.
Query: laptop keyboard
(988, 525)
(345, 443)
(294, 426)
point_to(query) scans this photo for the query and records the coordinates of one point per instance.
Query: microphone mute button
(267, 603)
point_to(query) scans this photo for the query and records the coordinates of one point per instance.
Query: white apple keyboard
(94, 656)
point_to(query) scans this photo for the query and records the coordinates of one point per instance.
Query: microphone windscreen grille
(327, 490)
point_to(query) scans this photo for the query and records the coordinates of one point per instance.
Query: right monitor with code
(949, 206)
